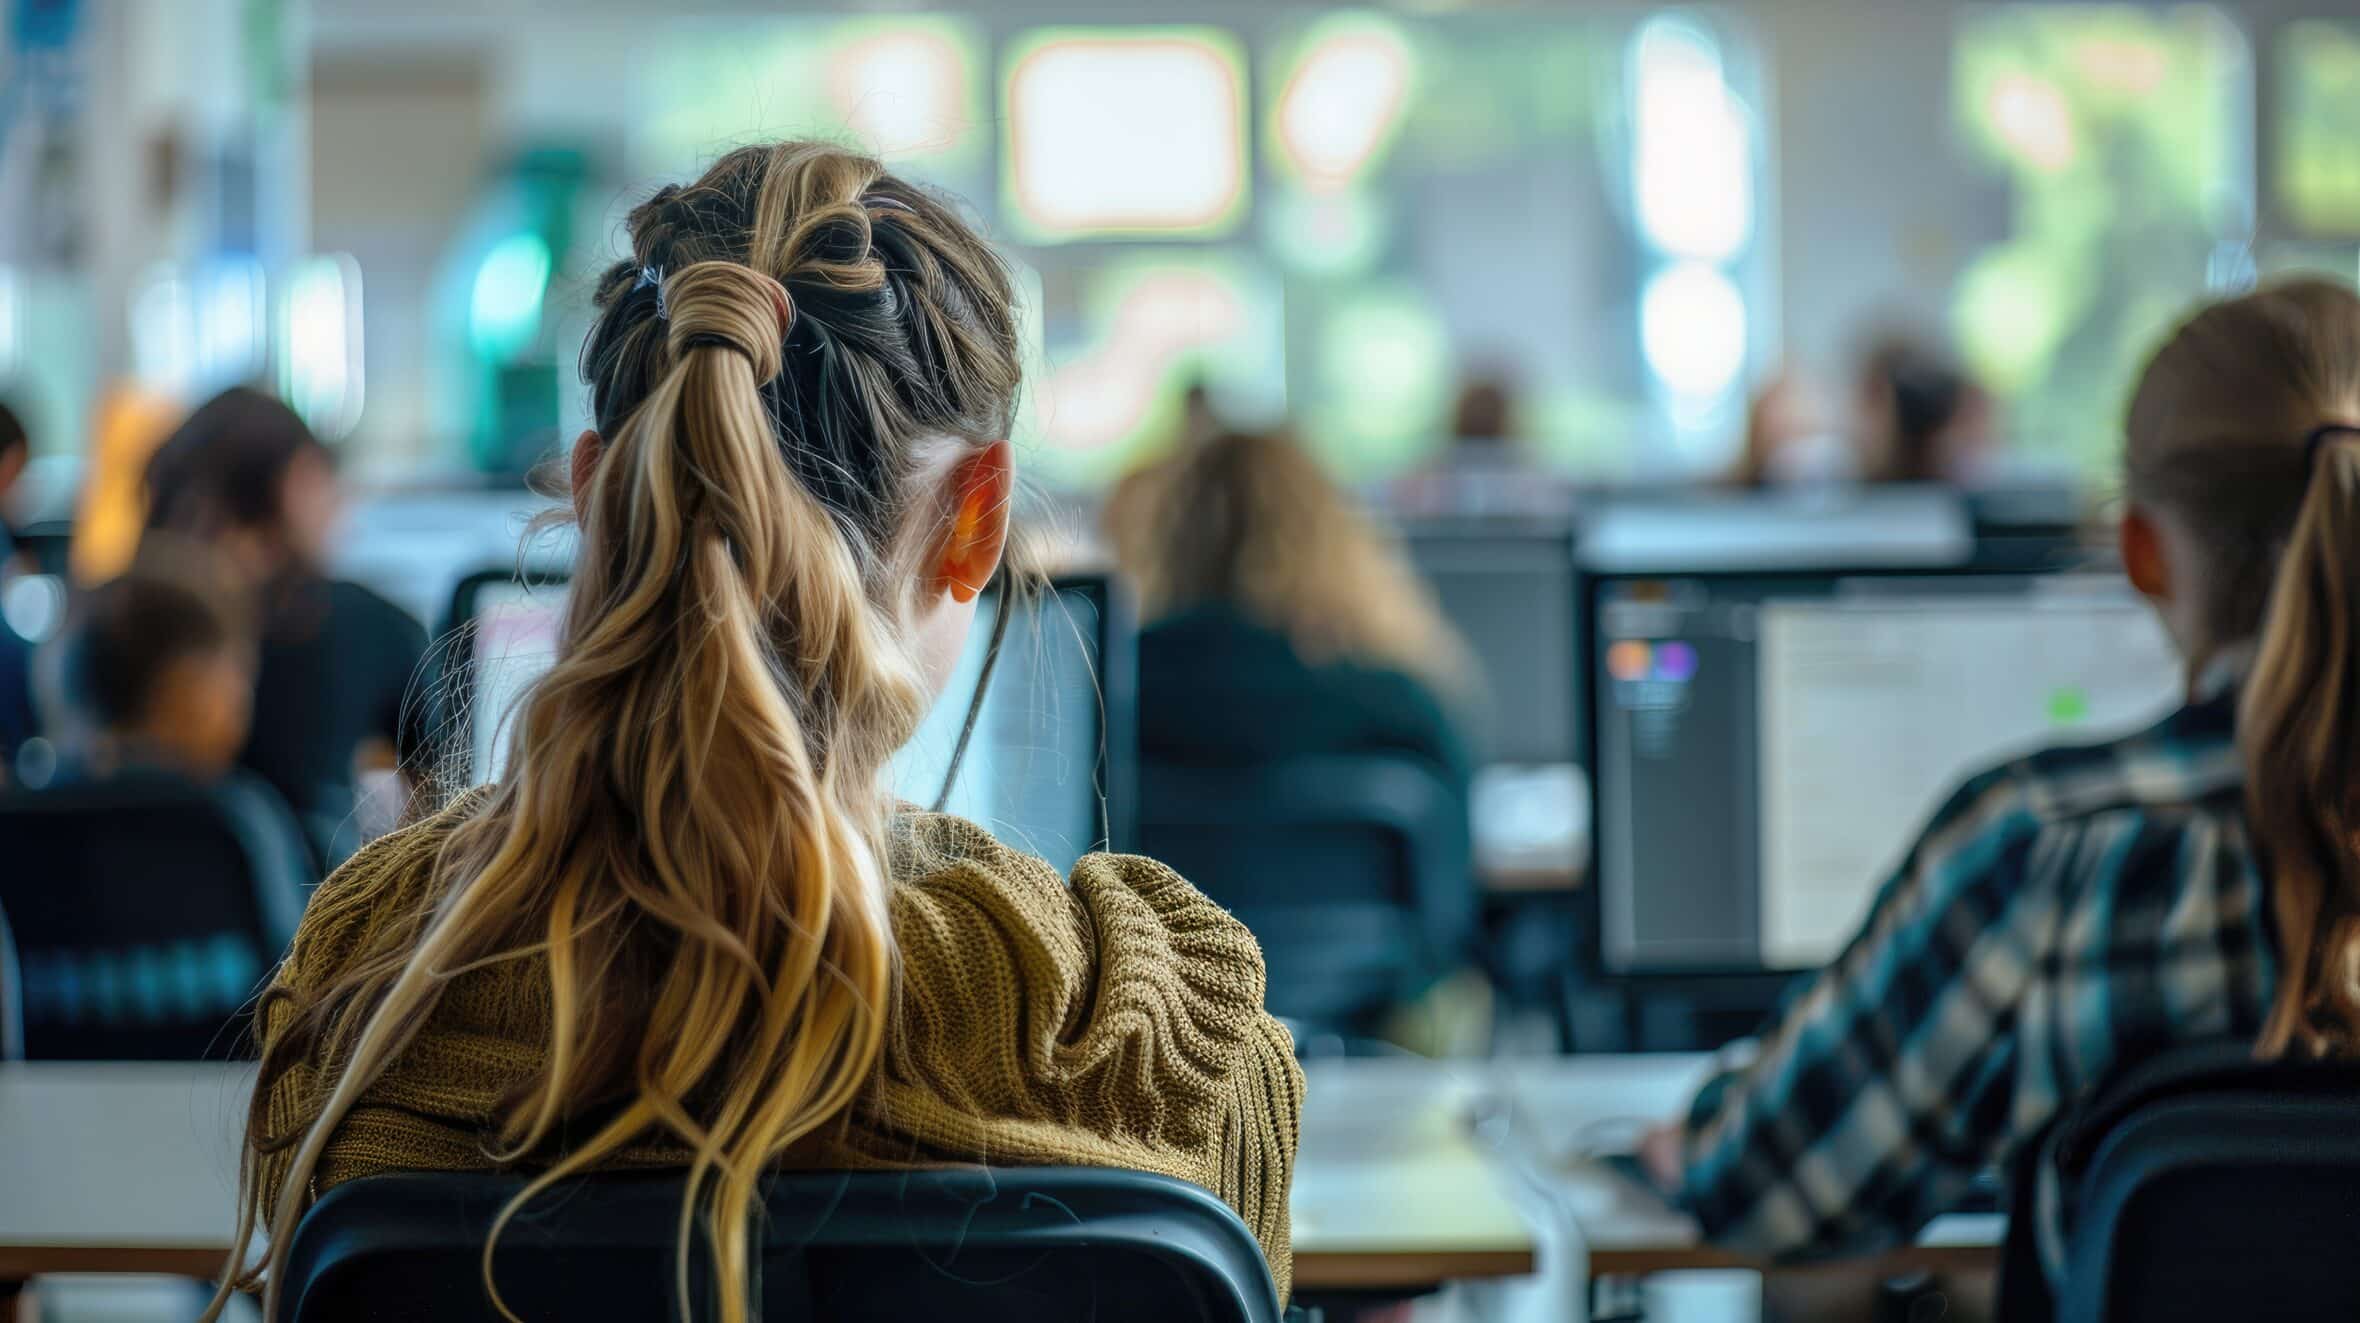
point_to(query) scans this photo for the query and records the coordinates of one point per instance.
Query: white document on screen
(1871, 712)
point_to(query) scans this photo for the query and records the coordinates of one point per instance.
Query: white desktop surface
(132, 1167)
(118, 1166)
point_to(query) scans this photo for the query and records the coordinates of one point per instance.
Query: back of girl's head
(900, 323)
(222, 470)
(124, 636)
(692, 836)
(1914, 392)
(1251, 522)
(2244, 435)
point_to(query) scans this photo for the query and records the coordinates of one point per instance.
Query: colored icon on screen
(1629, 661)
(1675, 662)
(2068, 706)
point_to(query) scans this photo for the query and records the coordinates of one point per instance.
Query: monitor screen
(1768, 745)
(1511, 597)
(1037, 768)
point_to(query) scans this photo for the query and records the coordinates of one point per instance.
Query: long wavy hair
(1250, 521)
(692, 834)
(2245, 431)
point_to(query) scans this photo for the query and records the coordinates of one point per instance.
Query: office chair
(1353, 872)
(2207, 1185)
(146, 909)
(976, 1244)
(12, 1020)
(49, 543)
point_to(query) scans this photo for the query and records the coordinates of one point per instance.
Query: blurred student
(2070, 913)
(1788, 442)
(1920, 417)
(16, 453)
(1483, 470)
(1281, 620)
(154, 672)
(337, 688)
(1135, 492)
(689, 925)
(16, 652)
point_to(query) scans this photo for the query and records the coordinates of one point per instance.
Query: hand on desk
(1660, 1157)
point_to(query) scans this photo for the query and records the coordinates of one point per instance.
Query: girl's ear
(2143, 557)
(981, 487)
(587, 448)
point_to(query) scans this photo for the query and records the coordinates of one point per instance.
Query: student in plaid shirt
(2068, 913)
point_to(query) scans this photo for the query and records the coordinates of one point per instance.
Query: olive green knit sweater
(1113, 1022)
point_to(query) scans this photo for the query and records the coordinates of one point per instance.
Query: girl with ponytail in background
(690, 927)
(2068, 914)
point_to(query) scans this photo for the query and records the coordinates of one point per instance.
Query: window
(2318, 126)
(1124, 131)
(2122, 136)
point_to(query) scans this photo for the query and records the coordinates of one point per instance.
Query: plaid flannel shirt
(2062, 914)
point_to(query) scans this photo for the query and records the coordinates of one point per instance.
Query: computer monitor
(1766, 745)
(1509, 594)
(1049, 768)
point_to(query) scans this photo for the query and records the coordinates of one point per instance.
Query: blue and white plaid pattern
(2076, 909)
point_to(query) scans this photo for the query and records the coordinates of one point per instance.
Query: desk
(119, 1167)
(1551, 1111)
(1391, 1189)
(132, 1168)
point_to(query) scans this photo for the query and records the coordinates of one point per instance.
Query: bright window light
(1692, 329)
(904, 90)
(909, 88)
(232, 313)
(1343, 104)
(504, 307)
(321, 370)
(1691, 155)
(1140, 131)
(164, 333)
(1161, 315)
(2318, 156)
(2029, 116)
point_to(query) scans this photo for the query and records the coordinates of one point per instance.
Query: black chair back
(1353, 873)
(146, 910)
(2207, 1185)
(12, 1019)
(974, 1244)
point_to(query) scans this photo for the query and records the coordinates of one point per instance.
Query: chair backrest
(145, 909)
(12, 1019)
(1352, 871)
(2209, 1185)
(973, 1244)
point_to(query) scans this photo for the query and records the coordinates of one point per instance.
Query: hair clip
(654, 275)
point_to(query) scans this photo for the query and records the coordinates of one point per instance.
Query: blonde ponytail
(2300, 729)
(692, 837)
(2245, 432)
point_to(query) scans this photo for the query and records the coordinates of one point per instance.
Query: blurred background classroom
(1720, 406)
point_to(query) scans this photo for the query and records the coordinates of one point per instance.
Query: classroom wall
(1876, 217)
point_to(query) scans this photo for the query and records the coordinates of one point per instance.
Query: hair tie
(2318, 439)
(654, 275)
